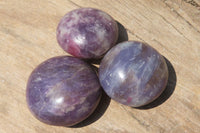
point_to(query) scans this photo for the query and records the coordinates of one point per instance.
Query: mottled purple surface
(63, 91)
(133, 73)
(87, 33)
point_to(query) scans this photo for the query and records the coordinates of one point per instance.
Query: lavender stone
(133, 73)
(87, 33)
(63, 91)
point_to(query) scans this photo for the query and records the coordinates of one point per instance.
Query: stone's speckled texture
(133, 73)
(63, 91)
(87, 33)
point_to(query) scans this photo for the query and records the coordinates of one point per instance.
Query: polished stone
(87, 33)
(63, 91)
(133, 73)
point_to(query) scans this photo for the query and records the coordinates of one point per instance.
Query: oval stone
(133, 73)
(63, 91)
(87, 33)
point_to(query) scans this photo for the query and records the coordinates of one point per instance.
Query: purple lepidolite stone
(87, 33)
(63, 91)
(133, 73)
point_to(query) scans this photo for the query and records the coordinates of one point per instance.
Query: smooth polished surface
(133, 73)
(63, 91)
(87, 33)
(28, 37)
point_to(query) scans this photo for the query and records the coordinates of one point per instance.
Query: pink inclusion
(74, 49)
(129, 100)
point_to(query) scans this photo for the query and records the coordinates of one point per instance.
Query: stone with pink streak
(133, 73)
(87, 33)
